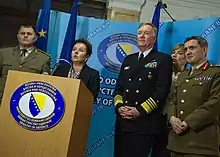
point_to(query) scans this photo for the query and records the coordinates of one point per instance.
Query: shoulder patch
(41, 51)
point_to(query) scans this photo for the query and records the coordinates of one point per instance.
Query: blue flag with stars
(156, 20)
(70, 34)
(42, 27)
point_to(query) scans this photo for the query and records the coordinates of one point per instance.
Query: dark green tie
(23, 52)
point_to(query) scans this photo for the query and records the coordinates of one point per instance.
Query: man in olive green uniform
(24, 57)
(194, 109)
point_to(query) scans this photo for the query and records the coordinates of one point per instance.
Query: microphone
(65, 61)
(55, 68)
(60, 61)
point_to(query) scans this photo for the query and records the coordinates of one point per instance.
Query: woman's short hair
(86, 43)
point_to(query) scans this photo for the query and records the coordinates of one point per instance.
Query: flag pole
(164, 7)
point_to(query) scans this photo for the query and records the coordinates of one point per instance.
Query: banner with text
(112, 41)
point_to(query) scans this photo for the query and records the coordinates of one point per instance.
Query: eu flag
(156, 20)
(42, 27)
(70, 34)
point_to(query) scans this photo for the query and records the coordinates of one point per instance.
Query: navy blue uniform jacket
(145, 85)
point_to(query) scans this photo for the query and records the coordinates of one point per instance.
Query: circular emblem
(37, 106)
(113, 50)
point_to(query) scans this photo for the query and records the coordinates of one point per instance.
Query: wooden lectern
(66, 139)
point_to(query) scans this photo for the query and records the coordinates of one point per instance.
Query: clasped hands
(128, 112)
(178, 126)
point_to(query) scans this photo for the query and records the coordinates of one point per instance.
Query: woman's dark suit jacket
(89, 76)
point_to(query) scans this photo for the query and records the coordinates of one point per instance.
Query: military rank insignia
(203, 78)
(151, 65)
(205, 66)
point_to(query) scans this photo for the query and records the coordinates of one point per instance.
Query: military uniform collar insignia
(205, 66)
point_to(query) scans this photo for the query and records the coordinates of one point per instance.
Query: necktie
(23, 53)
(192, 71)
(141, 57)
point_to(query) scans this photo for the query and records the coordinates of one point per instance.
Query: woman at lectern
(78, 69)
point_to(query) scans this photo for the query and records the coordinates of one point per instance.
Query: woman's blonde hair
(177, 47)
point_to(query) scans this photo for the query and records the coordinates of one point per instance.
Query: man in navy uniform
(139, 98)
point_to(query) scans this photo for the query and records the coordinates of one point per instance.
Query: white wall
(182, 9)
(179, 9)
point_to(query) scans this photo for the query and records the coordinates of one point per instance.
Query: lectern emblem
(37, 106)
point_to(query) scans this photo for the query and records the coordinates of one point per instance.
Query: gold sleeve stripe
(118, 99)
(149, 105)
(146, 107)
(153, 102)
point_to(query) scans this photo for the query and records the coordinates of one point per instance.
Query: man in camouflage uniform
(194, 109)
